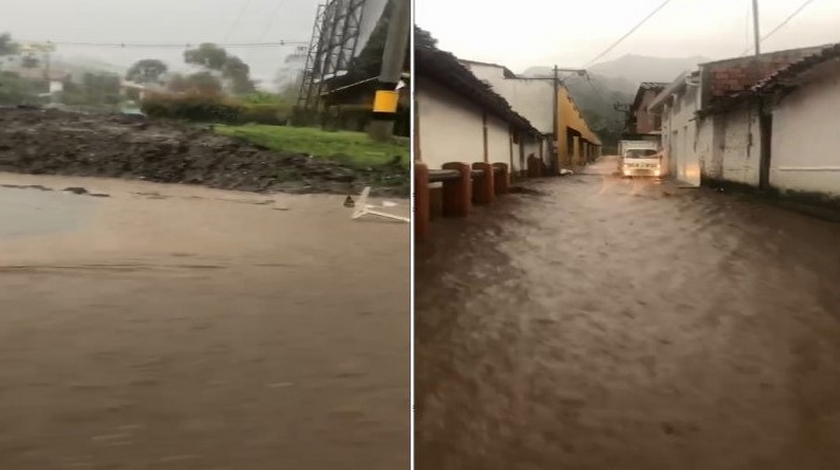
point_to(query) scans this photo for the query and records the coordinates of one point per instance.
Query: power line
(237, 20)
(270, 23)
(633, 30)
(123, 45)
(781, 25)
(790, 17)
(271, 20)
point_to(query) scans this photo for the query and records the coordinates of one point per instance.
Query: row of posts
(463, 186)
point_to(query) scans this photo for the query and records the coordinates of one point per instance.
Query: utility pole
(764, 118)
(756, 35)
(556, 82)
(393, 57)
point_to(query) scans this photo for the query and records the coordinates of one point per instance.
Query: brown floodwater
(169, 326)
(625, 324)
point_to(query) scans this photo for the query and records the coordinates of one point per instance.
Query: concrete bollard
(457, 194)
(422, 200)
(483, 192)
(502, 178)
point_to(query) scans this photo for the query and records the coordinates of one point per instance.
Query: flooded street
(170, 326)
(623, 324)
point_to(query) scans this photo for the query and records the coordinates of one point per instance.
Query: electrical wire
(632, 30)
(271, 20)
(786, 20)
(123, 45)
(237, 20)
(268, 26)
(780, 25)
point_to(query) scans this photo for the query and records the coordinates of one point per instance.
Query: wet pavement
(624, 324)
(178, 327)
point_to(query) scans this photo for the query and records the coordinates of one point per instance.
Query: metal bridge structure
(341, 30)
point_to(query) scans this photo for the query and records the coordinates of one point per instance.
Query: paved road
(607, 324)
(175, 327)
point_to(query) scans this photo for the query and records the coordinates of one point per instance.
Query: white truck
(641, 158)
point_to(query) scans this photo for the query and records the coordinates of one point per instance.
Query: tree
(201, 82)
(424, 38)
(15, 90)
(238, 73)
(235, 72)
(7, 45)
(207, 55)
(146, 71)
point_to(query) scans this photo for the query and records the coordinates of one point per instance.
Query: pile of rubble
(119, 146)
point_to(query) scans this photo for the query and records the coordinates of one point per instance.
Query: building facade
(765, 124)
(459, 118)
(532, 97)
(641, 122)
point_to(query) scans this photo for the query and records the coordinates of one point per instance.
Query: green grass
(354, 147)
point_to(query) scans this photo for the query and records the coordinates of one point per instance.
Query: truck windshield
(640, 153)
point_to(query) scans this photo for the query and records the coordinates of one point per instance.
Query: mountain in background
(613, 82)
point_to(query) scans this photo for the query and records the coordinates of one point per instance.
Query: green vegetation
(216, 107)
(356, 148)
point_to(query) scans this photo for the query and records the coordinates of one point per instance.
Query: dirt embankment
(55, 142)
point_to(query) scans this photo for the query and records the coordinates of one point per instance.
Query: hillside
(613, 82)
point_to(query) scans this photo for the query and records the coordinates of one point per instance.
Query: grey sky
(162, 21)
(544, 32)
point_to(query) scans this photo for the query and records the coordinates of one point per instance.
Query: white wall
(682, 147)
(498, 140)
(531, 98)
(705, 147)
(805, 148)
(740, 152)
(451, 128)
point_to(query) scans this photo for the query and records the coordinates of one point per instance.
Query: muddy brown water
(624, 324)
(179, 327)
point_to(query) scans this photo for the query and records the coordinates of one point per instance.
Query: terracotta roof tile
(734, 75)
(795, 68)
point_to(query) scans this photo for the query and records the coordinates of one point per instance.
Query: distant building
(641, 123)
(459, 118)
(675, 109)
(133, 90)
(532, 97)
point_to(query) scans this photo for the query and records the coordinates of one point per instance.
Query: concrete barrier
(462, 184)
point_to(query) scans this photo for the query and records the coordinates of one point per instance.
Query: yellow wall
(568, 116)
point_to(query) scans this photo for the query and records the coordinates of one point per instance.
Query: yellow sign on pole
(386, 101)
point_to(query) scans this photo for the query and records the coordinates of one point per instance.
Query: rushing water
(32, 211)
(178, 327)
(606, 324)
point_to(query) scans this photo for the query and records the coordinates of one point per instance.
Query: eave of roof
(674, 87)
(447, 70)
(508, 73)
(645, 87)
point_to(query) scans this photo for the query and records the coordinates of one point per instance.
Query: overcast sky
(162, 21)
(523, 33)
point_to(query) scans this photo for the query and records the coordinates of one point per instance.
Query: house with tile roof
(713, 128)
(801, 105)
(459, 118)
(641, 123)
